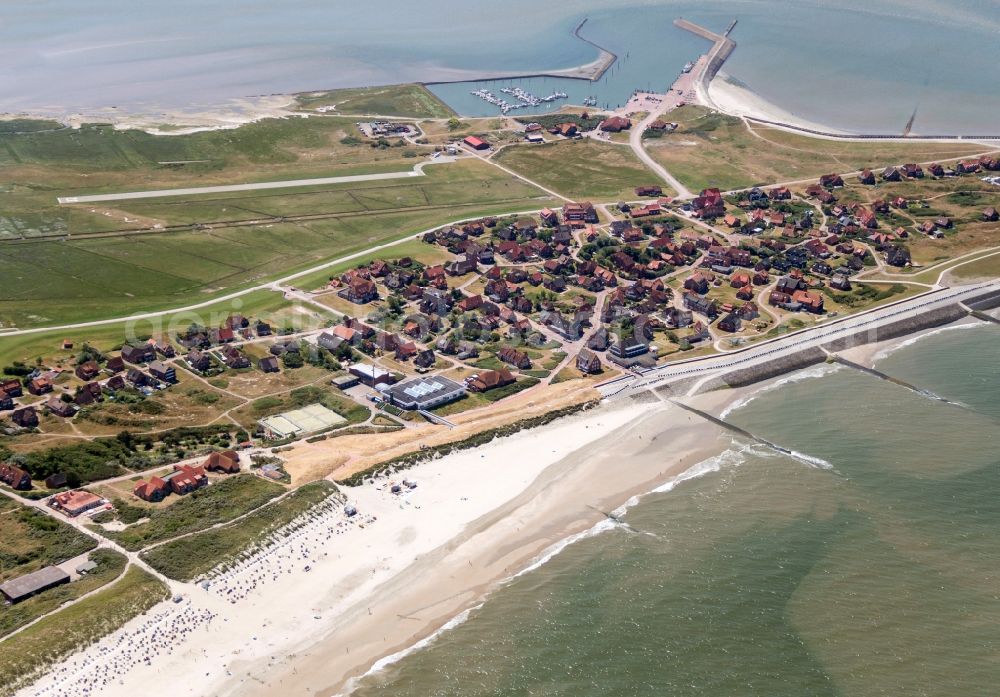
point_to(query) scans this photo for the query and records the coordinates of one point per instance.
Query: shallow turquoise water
(771, 576)
(851, 64)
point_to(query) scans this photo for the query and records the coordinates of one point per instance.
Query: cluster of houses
(186, 478)
(878, 222)
(141, 367)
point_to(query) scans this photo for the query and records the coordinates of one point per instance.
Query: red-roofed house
(477, 143)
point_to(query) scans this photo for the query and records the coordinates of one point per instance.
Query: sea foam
(727, 458)
(818, 371)
(889, 350)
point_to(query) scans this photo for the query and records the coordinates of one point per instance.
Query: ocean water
(773, 576)
(853, 64)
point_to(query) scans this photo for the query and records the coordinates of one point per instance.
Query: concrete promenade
(816, 337)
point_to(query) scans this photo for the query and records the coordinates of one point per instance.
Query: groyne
(734, 429)
(815, 355)
(888, 378)
(980, 315)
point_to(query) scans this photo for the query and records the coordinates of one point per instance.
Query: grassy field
(39, 167)
(47, 345)
(710, 149)
(32, 540)
(580, 169)
(190, 558)
(24, 656)
(413, 101)
(988, 267)
(201, 509)
(110, 566)
(58, 281)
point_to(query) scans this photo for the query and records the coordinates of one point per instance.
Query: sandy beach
(405, 565)
(335, 597)
(731, 98)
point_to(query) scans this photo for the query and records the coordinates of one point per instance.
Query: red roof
(475, 142)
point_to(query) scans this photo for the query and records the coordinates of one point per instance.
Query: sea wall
(894, 330)
(987, 301)
(779, 366)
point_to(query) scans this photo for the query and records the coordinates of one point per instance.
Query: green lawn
(192, 557)
(414, 101)
(201, 509)
(581, 169)
(26, 655)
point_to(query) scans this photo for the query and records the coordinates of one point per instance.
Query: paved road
(417, 171)
(635, 140)
(812, 337)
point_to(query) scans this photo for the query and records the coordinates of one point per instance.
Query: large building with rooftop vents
(424, 393)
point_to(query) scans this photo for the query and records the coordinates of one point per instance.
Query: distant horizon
(79, 63)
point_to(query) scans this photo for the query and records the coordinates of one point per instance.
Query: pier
(592, 72)
(604, 61)
(722, 48)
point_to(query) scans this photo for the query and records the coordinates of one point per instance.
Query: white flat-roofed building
(300, 422)
(371, 374)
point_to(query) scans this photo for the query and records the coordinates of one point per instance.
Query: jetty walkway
(722, 48)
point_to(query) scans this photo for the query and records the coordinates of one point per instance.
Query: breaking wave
(818, 371)
(727, 458)
(889, 350)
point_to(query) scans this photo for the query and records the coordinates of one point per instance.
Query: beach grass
(580, 169)
(710, 149)
(217, 503)
(408, 101)
(110, 565)
(24, 656)
(32, 540)
(195, 556)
